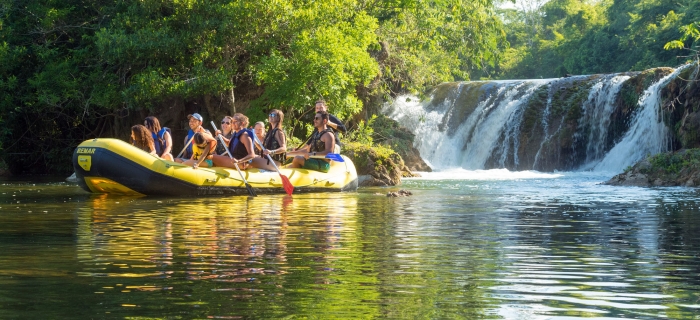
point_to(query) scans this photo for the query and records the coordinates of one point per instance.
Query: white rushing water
(491, 131)
(648, 134)
(473, 141)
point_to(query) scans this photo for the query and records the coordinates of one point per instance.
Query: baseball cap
(196, 116)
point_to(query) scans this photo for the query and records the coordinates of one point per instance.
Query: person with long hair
(259, 130)
(275, 142)
(240, 146)
(226, 131)
(142, 139)
(162, 139)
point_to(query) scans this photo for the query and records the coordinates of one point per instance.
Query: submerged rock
(400, 193)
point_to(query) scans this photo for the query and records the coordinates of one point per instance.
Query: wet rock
(400, 193)
(680, 168)
(72, 178)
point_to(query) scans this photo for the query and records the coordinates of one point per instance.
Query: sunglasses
(317, 118)
(273, 115)
(225, 122)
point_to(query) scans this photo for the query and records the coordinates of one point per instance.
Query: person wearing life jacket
(240, 147)
(195, 121)
(333, 122)
(274, 141)
(322, 142)
(161, 138)
(142, 139)
(259, 130)
(203, 146)
(226, 132)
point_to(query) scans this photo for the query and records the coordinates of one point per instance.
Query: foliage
(690, 34)
(674, 162)
(76, 69)
(363, 133)
(428, 42)
(587, 37)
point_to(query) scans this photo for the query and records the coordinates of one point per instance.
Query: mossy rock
(383, 165)
(679, 168)
(390, 134)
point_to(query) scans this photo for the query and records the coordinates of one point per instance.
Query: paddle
(288, 187)
(185, 148)
(330, 156)
(247, 185)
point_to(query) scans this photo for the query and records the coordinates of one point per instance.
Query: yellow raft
(114, 166)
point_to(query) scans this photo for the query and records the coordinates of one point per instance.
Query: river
(466, 245)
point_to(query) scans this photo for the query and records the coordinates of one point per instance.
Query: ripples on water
(467, 244)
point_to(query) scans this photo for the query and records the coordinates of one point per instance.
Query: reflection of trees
(268, 255)
(424, 270)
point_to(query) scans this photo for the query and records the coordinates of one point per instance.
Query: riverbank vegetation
(679, 168)
(71, 70)
(74, 70)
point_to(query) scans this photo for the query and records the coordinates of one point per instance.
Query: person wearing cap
(195, 122)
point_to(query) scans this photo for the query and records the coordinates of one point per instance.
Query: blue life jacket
(237, 149)
(159, 140)
(188, 150)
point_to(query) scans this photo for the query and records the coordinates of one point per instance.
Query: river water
(466, 245)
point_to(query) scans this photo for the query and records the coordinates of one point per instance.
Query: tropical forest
(76, 70)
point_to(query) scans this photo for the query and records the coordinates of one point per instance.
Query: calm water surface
(479, 244)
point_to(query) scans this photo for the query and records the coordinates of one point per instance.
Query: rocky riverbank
(680, 168)
(377, 166)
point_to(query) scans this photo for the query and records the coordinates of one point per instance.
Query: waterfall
(573, 123)
(648, 134)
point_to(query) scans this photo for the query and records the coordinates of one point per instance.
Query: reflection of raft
(114, 166)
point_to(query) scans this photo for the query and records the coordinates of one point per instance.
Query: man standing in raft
(321, 143)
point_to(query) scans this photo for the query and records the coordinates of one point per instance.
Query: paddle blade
(335, 157)
(250, 190)
(288, 187)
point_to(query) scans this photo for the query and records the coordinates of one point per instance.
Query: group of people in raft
(239, 146)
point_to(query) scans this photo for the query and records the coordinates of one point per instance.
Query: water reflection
(240, 248)
(549, 247)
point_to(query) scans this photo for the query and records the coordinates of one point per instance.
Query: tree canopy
(77, 69)
(594, 36)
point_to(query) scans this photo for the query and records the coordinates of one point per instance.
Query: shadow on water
(525, 246)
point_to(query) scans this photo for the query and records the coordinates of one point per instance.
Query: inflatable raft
(114, 166)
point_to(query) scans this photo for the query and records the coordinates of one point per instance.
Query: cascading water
(648, 134)
(574, 123)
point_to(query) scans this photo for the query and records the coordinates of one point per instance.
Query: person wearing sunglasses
(333, 122)
(322, 142)
(240, 146)
(226, 131)
(274, 141)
